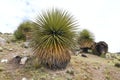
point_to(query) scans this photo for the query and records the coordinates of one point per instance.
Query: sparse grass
(102, 55)
(34, 63)
(79, 68)
(107, 75)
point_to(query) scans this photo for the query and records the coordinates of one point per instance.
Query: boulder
(19, 60)
(23, 60)
(16, 60)
(100, 48)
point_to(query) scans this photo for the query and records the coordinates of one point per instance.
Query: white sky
(102, 17)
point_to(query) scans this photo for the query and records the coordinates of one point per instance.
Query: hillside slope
(79, 68)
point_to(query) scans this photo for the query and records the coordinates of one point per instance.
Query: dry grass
(79, 68)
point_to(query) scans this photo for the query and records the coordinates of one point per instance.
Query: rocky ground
(80, 68)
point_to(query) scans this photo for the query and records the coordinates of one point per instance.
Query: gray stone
(77, 52)
(26, 44)
(10, 49)
(25, 52)
(4, 61)
(24, 78)
(15, 60)
(23, 60)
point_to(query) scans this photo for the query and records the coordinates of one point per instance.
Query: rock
(25, 52)
(23, 60)
(96, 67)
(4, 61)
(24, 78)
(26, 44)
(83, 55)
(2, 41)
(10, 49)
(1, 49)
(71, 72)
(77, 52)
(16, 60)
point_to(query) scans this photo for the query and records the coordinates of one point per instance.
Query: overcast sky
(101, 17)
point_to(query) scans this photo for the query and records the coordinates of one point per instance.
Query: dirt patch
(79, 68)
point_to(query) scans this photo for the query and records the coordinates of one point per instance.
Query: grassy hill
(80, 68)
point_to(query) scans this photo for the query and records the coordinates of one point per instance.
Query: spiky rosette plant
(23, 30)
(53, 38)
(85, 40)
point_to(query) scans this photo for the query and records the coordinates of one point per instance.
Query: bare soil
(79, 68)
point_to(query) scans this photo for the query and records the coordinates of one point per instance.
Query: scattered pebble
(77, 52)
(23, 60)
(24, 78)
(4, 61)
(96, 67)
(71, 72)
(10, 49)
(83, 55)
(26, 44)
(16, 59)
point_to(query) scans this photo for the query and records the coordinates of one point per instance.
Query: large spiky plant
(53, 38)
(85, 39)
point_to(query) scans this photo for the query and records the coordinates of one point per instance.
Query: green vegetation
(102, 55)
(85, 40)
(23, 29)
(53, 38)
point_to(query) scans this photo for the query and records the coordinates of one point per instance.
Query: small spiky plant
(53, 38)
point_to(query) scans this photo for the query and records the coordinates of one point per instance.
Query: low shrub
(22, 30)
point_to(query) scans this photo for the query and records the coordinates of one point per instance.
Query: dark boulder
(16, 60)
(100, 48)
(83, 55)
